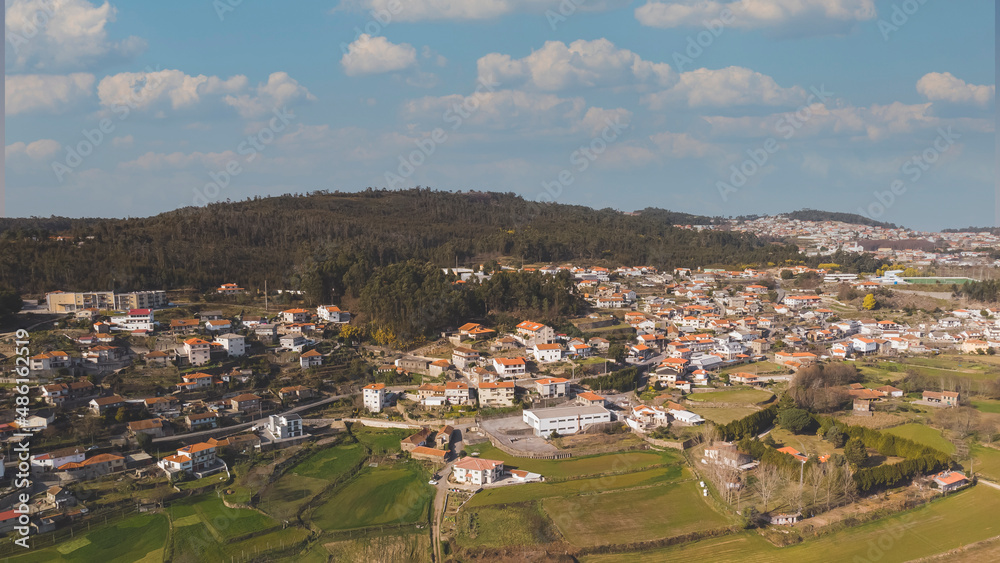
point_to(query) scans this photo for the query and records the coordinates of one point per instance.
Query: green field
(137, 538)
(638, 515)
(942, 365)
(580, 466)
(516, 526)
(195, 544)
(537, 491)
(380, 440)
(383, 495)
(222, 522)
(923, 434)
(758, 367)
(960, 519)
(283, 498)
(331, 463)
(412, 548)
(987, 462)
(742, 395)
(988, 406)
(723, 415)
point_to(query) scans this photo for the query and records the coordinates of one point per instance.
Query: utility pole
(265, 296)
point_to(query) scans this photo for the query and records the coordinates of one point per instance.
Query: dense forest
(334, 242)
(986, 291)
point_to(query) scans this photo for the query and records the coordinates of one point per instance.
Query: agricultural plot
(987, 462)
(515, 526)
(308, 478)
(380, 440)
(949, 523)
(923, 434)
(222, 522)
(745, 396)
(581, 466)
(536, 491)
(383, 495)
(137, 538)
(638, 515)
(987, 406)
(414, 548)
(723, 415)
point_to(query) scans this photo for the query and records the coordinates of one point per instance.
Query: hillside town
(174, 397)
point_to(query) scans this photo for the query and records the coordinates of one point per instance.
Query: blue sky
(880, 107)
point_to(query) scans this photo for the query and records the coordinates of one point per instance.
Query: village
(788, 400)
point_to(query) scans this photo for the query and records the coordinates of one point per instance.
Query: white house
(564, 420)
(478, 471)
(333, 314)
(374, 397)
(135, 319)
(552, 387)
(57, 458)
(509, 367)
(496, 394)
(863, 345)
(234, 344)
(547, 353)
(309, 359)
(198, 351)
(283, 426)
(293, 342)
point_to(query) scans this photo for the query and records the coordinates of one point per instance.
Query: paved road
(245, 425)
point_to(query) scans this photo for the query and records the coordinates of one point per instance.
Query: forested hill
(336, 241)
(849, 218)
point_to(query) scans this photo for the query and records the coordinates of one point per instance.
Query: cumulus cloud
(515, 110)
(374, 55)
(557, 66)
(33, 157)
(731, 86)
(149, 90)
(53, 35)
(467, 10)
(946, 87)
(46, 93)
(279, 90)
(160, 91)
(790, 17)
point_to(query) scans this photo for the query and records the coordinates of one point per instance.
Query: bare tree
(768, 480)
(815, 478)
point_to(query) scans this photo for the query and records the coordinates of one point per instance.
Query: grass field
(222, 522)
(331, 463)
(383, 495)
(643, 514)
(758, 367)
(943, 365)
(960, 519)
(137, 538)
(723, 415)
(414, 548)
(380, 440)
(195, 544)
(808, 443)
(537, 491)
(923, 434)
(738, 395)
(516, 526)
(987, 462)
(988, 406)
(283, 498)
(580, 466)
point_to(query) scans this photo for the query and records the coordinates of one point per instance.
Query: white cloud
(62, 34)
(164, 88)
(374, 55)
(46, 93)
(513, 110)
(792, 17)
(35, 157)
(731, 86)
(946, 87)
(158, 91)
(557, 66)
(41, 149)
(873, 123)
(279, 91)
